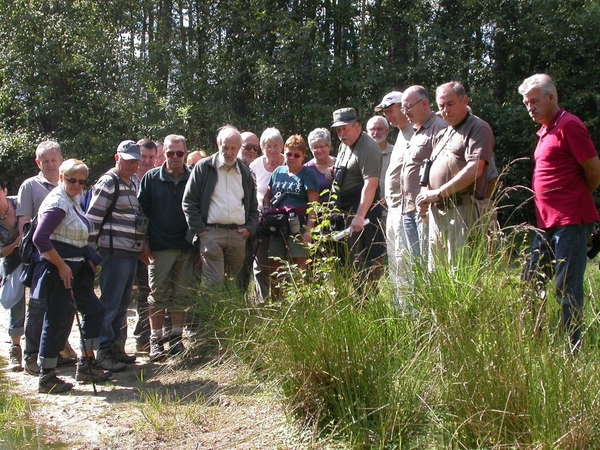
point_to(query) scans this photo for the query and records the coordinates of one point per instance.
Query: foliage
(91, 74)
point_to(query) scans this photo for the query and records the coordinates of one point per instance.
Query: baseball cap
(389, 100)
(344, 116)
(129, 150)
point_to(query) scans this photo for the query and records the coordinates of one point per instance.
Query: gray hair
(271, 134)
(174, 138)
(227, 131)
(541, 81)
(46, 146)
(373, 120)
(456, 86)
(319, 134)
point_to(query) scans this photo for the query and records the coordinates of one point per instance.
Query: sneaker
(51, 384)
(176, 345)
(31, 365)
(106, 361)
(15, 358)
(157, 350)
(120, 355)
(82, 372)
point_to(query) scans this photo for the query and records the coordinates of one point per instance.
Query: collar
(220, 162)
(462, 122)
(45, 180)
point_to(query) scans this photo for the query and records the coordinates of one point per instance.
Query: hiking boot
(15, 358)
(63, 361)
(120, 355)
(31, 365)
(107, 361)
(51, 384)
(68, 352)
(82, 372)
(176, 345)
(157, 350)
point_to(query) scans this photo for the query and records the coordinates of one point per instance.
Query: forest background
(90, 74)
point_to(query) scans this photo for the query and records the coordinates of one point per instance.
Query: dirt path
(156, 406)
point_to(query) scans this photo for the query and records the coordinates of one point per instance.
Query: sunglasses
(173, 154)
(251, 147)
(75, 180)
(293, 155)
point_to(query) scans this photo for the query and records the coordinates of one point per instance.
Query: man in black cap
(357, 170)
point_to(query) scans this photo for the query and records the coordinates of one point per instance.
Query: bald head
(250, 147)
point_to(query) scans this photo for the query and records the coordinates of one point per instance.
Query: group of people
(154, 219)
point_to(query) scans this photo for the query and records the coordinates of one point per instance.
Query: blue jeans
(562, 250)
(17, 318)
(414, 234)
(34, 322)
(59, 315)
(116, 283)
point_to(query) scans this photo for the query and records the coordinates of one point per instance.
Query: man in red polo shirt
(566, 172)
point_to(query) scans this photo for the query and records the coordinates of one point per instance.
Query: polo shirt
(562, 196)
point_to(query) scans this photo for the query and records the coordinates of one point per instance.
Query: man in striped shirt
(120, 230)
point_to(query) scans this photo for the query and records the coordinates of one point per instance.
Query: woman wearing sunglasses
(291, 188)
(64, 276)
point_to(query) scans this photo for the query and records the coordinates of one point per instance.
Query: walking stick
(87, 358)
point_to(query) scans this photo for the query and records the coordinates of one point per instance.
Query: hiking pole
(86, 357)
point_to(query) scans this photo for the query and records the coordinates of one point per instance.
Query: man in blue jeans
(120, 231)
(566, 172)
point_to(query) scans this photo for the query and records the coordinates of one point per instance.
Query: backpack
(88, 196)
(27, 247)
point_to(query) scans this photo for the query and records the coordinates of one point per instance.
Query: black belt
(223, 226)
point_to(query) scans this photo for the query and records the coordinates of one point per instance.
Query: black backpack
(27, 249)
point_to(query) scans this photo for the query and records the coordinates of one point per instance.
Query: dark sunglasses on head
(293, 155)
(172, 153)
(252, 147)
(75, 180)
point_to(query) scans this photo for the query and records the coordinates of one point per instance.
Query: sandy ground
(210, 407)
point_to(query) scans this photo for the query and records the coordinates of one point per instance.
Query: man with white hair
(221, 209)
(566, 172)
(379, 129)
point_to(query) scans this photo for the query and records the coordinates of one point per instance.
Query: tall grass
(465, 371)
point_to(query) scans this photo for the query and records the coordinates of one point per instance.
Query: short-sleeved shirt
(295, 186)
(323, 179)
(419, 149)
(32, 193)
(393, 175)
(562, 196)
(261, 176)
(386, 156)
(362, 161)
(470, 140)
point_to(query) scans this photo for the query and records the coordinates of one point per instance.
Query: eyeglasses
(75, 180)
(409, 107)
(251, 147)
(173, 153)
(293, 155)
